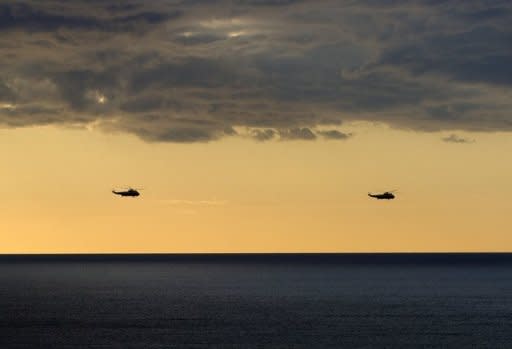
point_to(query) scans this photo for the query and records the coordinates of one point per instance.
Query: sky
(255, 125)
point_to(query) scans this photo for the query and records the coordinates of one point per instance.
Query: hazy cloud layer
(453, 138)
(197, 71)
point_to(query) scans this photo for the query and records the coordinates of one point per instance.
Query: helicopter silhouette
(130, 192)
(384, 196)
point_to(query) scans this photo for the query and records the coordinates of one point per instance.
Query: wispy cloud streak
(453, 138)
(178, 202)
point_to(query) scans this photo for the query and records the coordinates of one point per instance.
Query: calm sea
(257, 301)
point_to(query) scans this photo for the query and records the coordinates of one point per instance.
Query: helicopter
(130, 192)
(384, 196)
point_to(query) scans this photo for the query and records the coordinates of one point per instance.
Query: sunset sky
(255, 125)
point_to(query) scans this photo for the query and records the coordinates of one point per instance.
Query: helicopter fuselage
(130, 192)
(385, 196)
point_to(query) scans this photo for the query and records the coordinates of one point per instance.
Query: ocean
(256, 301)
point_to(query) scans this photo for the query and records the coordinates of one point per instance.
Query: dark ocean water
(294, 301)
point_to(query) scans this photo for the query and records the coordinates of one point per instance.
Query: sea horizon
(295, 257)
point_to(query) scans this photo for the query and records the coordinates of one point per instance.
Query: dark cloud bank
(196, 71)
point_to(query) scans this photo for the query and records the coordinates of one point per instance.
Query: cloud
(268, 2)
(297, 134)
(480, 54)
(178, 134)
(194, 71)
(453, 138)
(262, 135)
(335, 134)
(39, 17)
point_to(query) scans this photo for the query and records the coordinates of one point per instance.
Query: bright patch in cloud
(8, 106)
(236, 34)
